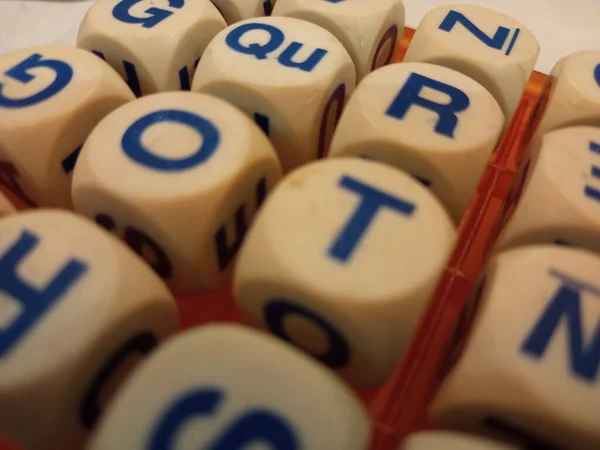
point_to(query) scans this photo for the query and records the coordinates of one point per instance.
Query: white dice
(529, 370)
(154, 45)
(446, 440)
(574, 94)
(51, 97)
(178, 176)
(77, 310)
(237, 10)
(290, 76)
(493, 49)
(6, 207)
(342, 261)
(433, 122)
(229, 387)
(369, 29)
(560, 198)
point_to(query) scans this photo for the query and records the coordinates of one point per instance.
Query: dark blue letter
(34, 302)
(255, 426)
(157, 15)
(372, 200)
(278, 310)
(565, 307)
(410, 95)
(308, 65)
(22, 73)
(133, 147)
(497, 41)
(258, 51)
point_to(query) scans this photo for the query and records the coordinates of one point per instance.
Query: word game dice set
(246, 224)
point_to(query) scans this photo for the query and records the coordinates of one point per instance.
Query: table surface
(561, 26)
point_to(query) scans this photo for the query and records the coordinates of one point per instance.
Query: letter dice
(178, 176)
(154, 45)
(342, 261)
(493, 49)
(528, 372)
(237, 10)
(369, 29)
(51, 97)
(446, 440)
(229, 387)
(560, 198)
(290, 76)
(433, 122)
(574, 97)
(78, 310)
(6, 207)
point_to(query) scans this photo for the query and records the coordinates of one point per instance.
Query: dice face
(154, 45)
(432, 122)
(575, 93)
(237, 10)
(77, 310)
(290, 76)
(493, 49)
(51, 97)
(6, 207)
(368, 29)
(240, 389)
(535, 340)
(178, 176)
(445, 440)
(560, 199)
(341, 262)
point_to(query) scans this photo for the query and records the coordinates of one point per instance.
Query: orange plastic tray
(400, 407)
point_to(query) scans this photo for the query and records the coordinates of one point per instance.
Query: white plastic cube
(448, 440)
(529, 371)
(560, 198)
(574, 93)
(341, 262)
(290, 76)
(51, 97)
(493, 49)
(78, 310)
(369, 29)
(237, 10)
(433, 122)
(154, 45)
(229, 387)
(179, 177)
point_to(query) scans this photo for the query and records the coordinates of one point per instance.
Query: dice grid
(266, 126)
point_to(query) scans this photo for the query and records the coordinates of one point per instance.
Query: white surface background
(561, 26)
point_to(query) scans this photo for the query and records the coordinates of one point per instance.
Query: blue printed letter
(157, 15)
(133, 147)
(276, 38)
(410, 95)
(34, 301)
(22, 73)
(496, 42)
(372, 200)
(565, 307)
(254, 427)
